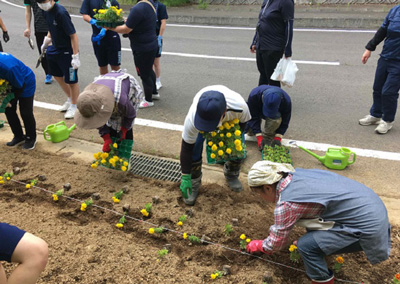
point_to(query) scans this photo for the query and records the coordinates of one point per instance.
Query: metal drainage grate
(156, 168)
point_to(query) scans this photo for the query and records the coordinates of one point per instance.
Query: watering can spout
(71, 128)
(320, 158)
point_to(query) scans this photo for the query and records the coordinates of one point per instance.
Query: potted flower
(109, 17)
(5, 94)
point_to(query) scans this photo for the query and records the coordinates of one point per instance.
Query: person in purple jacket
(110, 104)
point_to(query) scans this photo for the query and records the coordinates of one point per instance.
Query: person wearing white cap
(340, 215)
(110, 104)
(212, 106)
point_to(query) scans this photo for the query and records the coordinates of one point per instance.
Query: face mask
(45, 6)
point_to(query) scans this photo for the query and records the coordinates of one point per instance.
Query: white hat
(267, 172)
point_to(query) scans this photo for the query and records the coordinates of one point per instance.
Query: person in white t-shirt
(212, 106)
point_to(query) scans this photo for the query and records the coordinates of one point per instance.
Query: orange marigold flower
(397, 276)
(339, 259)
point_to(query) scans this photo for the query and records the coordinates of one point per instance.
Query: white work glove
(75, 61)
(45, 44)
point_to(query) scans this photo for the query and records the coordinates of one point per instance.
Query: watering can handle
(45, 136)
(354, 158)
(60, 123)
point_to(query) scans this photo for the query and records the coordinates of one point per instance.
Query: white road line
(239, 58)
(291, 143)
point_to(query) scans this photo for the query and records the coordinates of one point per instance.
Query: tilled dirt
(86, 247)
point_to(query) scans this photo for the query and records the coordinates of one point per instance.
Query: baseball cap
(271, 103)
(210, 108)
(95, 106)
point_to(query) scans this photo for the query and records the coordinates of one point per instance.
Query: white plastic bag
(289, 76)
(285, 71)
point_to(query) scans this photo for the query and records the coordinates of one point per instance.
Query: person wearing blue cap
(211, 107)
(274, 106)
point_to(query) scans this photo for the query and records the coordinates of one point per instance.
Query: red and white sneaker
(145, 104)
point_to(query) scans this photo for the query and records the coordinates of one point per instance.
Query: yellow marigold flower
(235, 121)
(238, 132)
(116, 158)
(95, 156)
(229, 151)
(185, 236)
(144, 212)
(123, 168)
(55, 197)
(84, 205)
(239, 148)
(226, 125)
(222, 135)
(119, 225)
(228, 135)
(151, 231)
(242, 236)
(248, 240)
(179, 223)
(83, 209)
(213, 276)
(116, 200)
(126, 164)
(212, 156)
(214, 147)
(28, 186)
(94, 10)
(221, 127)
(221, 144)
(238, 142)
(104, 156)
(339, 259)
(103, 161)
(1, 181)
(220, 152)
(111, 161)
(1, 178)
(120, 160)
(8, 178)
(210, 143)
(213, 134)
(94, 166)
(292, 248)
(232, 125)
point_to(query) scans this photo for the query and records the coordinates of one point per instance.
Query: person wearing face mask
(63, 53)
(274, 106)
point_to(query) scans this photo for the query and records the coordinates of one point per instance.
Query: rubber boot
(196, 183)
(328, 281)
(232, 171)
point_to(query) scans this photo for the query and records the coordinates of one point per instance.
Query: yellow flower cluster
(55, 197)
(292, 248)
(119, 225)
(116, 200)
(180, 223)
(1, 180)
(185, 236)
(144, 212)
(242, 236)
(109, 160)
(83, 207)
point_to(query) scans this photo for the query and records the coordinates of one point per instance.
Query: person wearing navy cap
(212, 106)
(274, 106)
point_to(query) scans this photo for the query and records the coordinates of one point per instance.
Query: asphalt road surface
(327, 100)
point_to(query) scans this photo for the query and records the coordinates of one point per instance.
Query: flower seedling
(8, 176)
(228, 229)
(86, 204)
(182, 220)
(338, 264)
(193, 239)
(396, 279)
(162, 252)
(58, 194)
(294, 253)
(277, 154)
(121, 222)
(184, 236)
(33, 182)
(117, 196)
(110, 160)
(146, 210)
(217, 274)
(244, 241)
(158, 230)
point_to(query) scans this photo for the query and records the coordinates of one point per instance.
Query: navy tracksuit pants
(386, 89)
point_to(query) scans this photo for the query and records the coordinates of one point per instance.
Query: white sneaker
(145, 104)
(158, 85)
(384, 127)
(156, 96)
(70, 113)
(65, 106)
(369, 120)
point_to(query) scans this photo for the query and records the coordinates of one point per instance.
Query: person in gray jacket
(340, 215)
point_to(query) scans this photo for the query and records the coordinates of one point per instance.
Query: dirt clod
(126, 208)
(227, 269)
(67, 186)
(125, 189)
(235, 222)
(16, 170)
(42, 178)
(156, 199)
(268, 277)
(96, 196)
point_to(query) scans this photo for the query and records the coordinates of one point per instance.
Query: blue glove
(159, 44)
(98, 38)
(93, 21)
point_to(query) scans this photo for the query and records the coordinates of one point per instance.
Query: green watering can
(335, 158)
(58, 132)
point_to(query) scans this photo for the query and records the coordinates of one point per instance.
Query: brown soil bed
(86, 247)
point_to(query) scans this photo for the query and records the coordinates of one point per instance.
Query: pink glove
(255, 246)
(107, 142)
(123, 133)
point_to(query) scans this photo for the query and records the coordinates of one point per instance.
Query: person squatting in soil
(23, 83)
(274, 106)
(273, 37)
(30, 252)
(211, 107)
(106, 44)
(340, 215)
(6, 37)
(162, 16)
(387, 76)
(141, 27)
(110, 104)
(63, 53)
(41, 29)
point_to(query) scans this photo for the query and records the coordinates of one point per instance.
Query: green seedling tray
(211, 161)
(287, 154)
(2, 123)
(109, 24)
(5, 101)
(124, 148)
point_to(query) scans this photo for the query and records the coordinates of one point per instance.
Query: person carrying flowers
(340, 215)
(110, 104)
(211, 107)
(106, 44)
(23, 85)
(274, 106)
